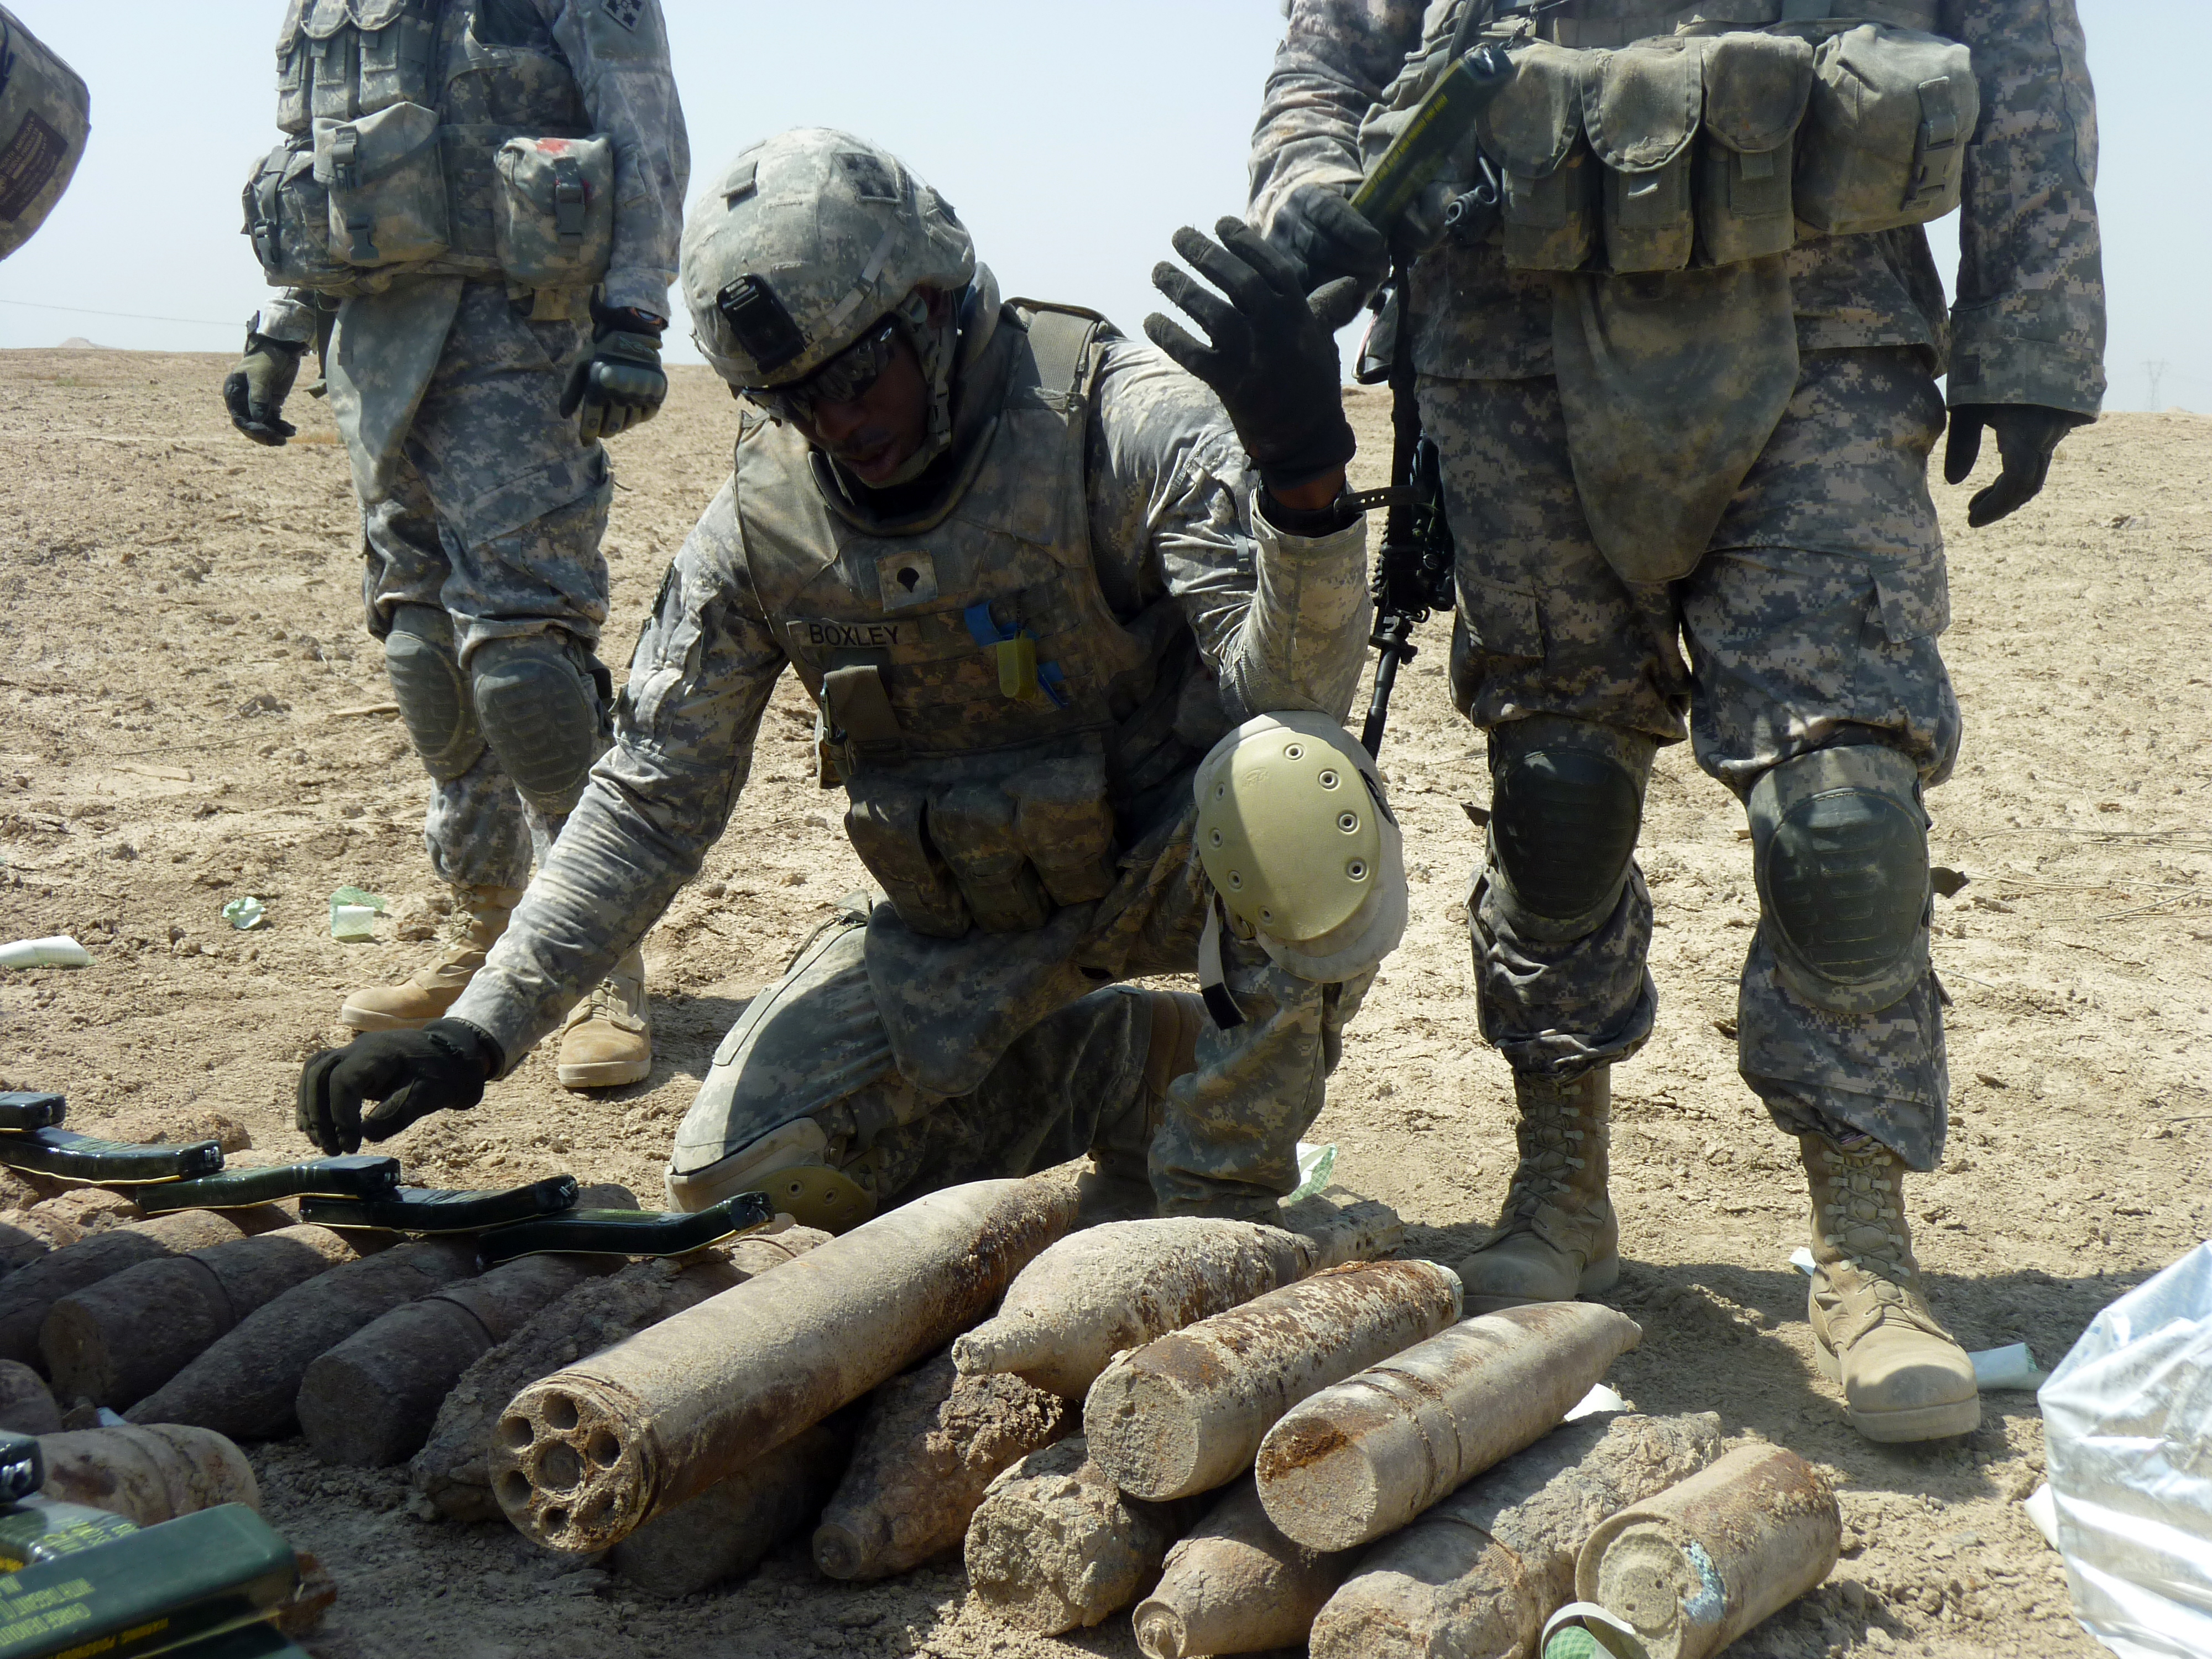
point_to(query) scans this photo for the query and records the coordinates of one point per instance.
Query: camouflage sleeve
(1336, 57)
(2029, 323)
(705, 665)
(1281, 621)
(619, 52)
(290, 316)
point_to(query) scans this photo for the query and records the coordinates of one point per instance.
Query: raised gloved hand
(619, 383)
(1272, 357)
(439, 1069)
(255, 391)
(1329, 238)
(2026, 435)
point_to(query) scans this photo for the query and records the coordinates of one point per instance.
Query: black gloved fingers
(572, 394)
(2020, 482)
(1189, 356)
(328, 1114)
(1962, 446)
(1225, 326)
(1245, 286)
(402, 1107)
(1281, 274)
(1334, 304)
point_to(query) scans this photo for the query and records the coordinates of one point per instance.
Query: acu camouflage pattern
(478, 497)
(1163, 499)
(1813, 616)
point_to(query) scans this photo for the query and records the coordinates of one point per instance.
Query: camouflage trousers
(493, 516)
(823, 1044)
(1812, 619)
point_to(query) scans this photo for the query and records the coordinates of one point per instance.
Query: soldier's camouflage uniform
(1813, 613)
(478, 499)
(929, 1059)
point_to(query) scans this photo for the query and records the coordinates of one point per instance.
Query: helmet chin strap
(937, 346)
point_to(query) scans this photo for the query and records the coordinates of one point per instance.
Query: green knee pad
(540, 714)
(1566, 806)
(433, 698)
(1840, 850)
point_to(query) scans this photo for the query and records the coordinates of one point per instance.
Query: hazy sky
(1072, 134)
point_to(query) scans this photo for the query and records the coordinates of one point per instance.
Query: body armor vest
(1650, 136)
(430, 138)
(987, 710)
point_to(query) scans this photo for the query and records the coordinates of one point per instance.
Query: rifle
(1414, 566)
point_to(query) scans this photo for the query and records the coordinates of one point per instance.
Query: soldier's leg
(1576, 676)
(1823, 702)
(804, 1102)
(474, 828)
(523, 502)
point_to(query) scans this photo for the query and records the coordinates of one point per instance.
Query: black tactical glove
(2026, 435)
(439, 1069)
(255, 391)
(619, 383)
(1272, 357)
(1328, 237)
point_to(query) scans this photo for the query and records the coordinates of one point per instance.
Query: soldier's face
(874, 434)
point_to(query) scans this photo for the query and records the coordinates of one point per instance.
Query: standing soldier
(1081, 648)
(490, 192)
(1683, 380)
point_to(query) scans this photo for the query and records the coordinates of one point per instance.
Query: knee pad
(433, 698)
(541, 713)
(1840, 850)
(1566, 805)
(1296, 835)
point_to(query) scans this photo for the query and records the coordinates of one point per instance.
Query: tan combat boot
(1557, 1237)
(430, 990)
(608, 1038)
(1904, 1378)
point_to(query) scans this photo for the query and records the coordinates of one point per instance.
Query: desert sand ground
(182, 675)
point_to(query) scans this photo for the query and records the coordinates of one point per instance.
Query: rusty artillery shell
(1187, 1413)
(1477, 1576)
(150, 1474)
(27, 1405)
(29, 1293)
(1366, 1455)
(1121, 1284)
(371, 1400)
(1056, 1544)
(1699, 1564)
(450, 1469)
(1236, 1585)
(727, 1529)
(930, 1444)
(116, 1341)
(245, 1384)
(584, 1458)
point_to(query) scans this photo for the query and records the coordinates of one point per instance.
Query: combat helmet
(803, 246)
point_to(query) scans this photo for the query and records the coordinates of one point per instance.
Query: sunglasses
(845, 377)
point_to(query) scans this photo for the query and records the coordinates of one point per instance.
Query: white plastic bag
(2128, 1432)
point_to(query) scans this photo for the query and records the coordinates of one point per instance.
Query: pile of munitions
(1253, 1436)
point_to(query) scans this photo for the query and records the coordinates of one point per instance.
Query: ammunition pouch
(1624, 147)
(387, 190)
(995, 841)
(553, 221)
(288, 216)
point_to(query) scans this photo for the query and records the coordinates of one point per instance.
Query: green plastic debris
(245, 914)
(1316, 1164)
(353, 914)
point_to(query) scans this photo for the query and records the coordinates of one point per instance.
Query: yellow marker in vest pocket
(1017, 668)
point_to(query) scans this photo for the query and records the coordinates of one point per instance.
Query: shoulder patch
(624, 12)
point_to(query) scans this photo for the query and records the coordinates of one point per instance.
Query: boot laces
(1861, 1212)
(1551, 1141)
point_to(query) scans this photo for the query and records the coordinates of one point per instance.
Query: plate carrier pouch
(1625, 146)
(1884, 142)
(1640, 109)
(970, 677)
(1756, 88)
(45, 116)
(434, 153)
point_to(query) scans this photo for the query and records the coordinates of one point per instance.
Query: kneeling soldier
(1081, 645)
